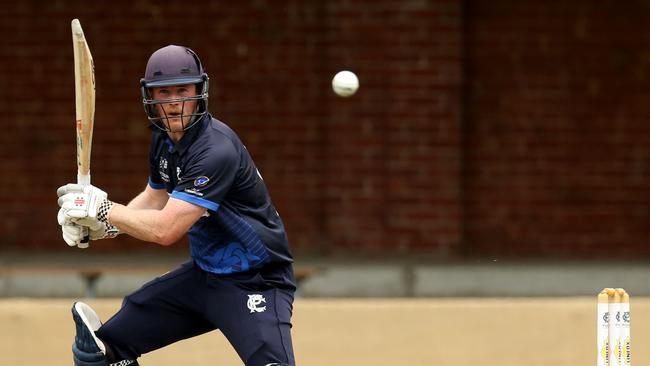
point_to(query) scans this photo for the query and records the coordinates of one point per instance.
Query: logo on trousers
(254, 301)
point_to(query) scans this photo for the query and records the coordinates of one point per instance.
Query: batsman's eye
(183, 91)
(160, 93)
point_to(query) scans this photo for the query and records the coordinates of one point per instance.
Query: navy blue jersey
(211, 168)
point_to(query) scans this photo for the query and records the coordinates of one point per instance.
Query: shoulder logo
(201, 181)
(254, 301)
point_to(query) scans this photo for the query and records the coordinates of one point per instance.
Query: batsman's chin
(175, 134)
(177, 124)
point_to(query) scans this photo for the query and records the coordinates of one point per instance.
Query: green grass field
(459, 332)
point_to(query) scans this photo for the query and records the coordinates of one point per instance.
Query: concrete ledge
(79, 274)
(119, 285)
(355, 281)
(116, 276)
(574, 279)
(38, 285)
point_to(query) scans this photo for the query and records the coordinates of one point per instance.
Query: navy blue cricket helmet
(169, 66)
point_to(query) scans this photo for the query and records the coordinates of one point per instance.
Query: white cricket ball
(345, 83)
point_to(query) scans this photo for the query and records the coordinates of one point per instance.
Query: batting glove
(79, 235)
(87, 206)
(75, 235)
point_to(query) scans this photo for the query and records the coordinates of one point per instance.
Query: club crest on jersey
(254, 301)
(201, 181)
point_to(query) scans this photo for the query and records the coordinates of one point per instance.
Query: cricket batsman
(203, 183)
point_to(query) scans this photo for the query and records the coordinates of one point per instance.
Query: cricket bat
(84, 80)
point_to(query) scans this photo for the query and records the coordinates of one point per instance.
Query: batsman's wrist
(104, 210)
(103, 213)
(112, 231)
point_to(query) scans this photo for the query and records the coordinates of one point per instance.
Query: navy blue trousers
(254, 314)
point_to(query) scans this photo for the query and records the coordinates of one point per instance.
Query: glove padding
(79, 235)
(85, 208)
(75, 235)
(81, 202)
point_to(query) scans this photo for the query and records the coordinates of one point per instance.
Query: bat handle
(86, 241)
(83, 178)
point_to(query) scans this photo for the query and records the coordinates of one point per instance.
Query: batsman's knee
(266, 357)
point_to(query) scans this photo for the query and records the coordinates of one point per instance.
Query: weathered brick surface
(497, 128)
(556, 135)
(373, 173)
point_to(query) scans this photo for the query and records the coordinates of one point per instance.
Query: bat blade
(84, 76)
(84, 90)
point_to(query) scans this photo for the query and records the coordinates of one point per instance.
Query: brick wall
(373, 173)
(481, 129)
(556, 136)
(393, 152)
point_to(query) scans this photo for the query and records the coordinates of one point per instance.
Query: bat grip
(83, 179)
(86, 241)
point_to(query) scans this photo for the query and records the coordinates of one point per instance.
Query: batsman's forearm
(141, 201)
(148, 200)
(144, 224)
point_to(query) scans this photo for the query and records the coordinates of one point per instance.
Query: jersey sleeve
(208, 176)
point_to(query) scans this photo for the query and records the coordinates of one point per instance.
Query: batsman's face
(176, 110)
